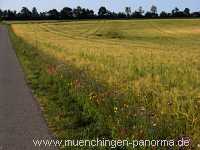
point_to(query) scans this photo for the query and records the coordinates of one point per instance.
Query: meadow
(117, 79)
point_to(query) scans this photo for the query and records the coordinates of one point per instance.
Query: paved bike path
(21, 119)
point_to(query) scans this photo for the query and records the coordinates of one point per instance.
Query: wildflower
(152, 114)
(77, 83)
(170, 103)
(115, 109)
(118, 122)
(98, 101)
(142, 108)
(51, 70)
(126, 105)
(92, 95)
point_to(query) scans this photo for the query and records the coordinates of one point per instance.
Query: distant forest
(103, 13)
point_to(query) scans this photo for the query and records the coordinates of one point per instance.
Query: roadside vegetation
(114, 79)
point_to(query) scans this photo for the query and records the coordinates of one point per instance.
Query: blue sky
(113, 5)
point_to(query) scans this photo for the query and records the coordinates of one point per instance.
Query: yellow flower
(115, 109)
(126, 105)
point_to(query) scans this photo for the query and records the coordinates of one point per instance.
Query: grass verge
(68, 112)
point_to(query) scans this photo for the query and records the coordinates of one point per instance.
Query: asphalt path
(21, 119)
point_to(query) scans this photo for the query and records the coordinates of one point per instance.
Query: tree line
(103, 13)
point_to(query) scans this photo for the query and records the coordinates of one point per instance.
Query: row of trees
(82, 13)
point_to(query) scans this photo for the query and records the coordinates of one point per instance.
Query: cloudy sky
(113, 5)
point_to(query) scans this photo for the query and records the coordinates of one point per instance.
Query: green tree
(163, 14)
(128, 11)
(1, 14)
(153, 9)
(35, 14)
(175, 11)
(187, 11)
(66, 13)
(53, 14)
(140, 10)
(102, 12)
(25, 13)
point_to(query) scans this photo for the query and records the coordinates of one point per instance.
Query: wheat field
(141, 77)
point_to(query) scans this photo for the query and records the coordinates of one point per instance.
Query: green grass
(114, 79)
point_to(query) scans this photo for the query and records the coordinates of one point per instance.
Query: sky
(112, 5)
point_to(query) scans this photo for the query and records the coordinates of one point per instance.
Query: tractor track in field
(67, 35)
